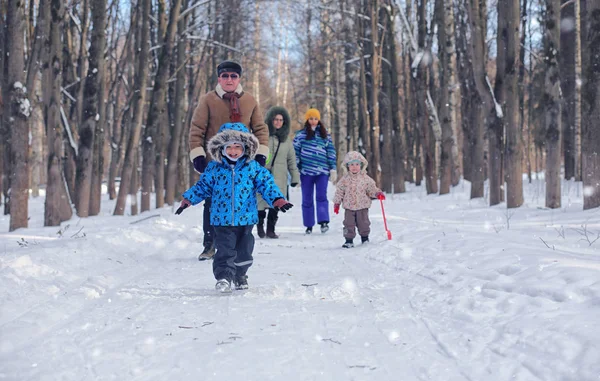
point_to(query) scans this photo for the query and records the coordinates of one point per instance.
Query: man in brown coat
(227, 103)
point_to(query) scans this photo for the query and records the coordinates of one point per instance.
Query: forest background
(100, 93)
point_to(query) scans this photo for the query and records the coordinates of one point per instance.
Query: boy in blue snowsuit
(232, 180)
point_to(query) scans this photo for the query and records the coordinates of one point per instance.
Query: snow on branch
(497, 106)
(189, 9)
(75, 20)
(68, 128)
(190, 37)
(67, 94)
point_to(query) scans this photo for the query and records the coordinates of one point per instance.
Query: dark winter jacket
(282, 157)
(315, 156)
(233, 187)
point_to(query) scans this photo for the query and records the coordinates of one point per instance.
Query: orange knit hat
(312, 113)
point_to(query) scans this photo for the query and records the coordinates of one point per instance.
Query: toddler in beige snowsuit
(354, 192)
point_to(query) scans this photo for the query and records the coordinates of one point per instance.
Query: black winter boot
(364, 239)
(260, 227)
(271, 222)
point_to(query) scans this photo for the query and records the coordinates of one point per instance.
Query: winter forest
(480, 124)
(494, 92)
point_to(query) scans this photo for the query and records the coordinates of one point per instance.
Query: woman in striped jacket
(316, 159)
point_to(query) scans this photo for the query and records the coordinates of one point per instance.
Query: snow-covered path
(462, 292)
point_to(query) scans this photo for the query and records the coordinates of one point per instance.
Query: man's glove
(261, 159)
(294, 185)
(282, 204)
(199, 163)
(333, 176)
(380, 196)
(336, 208)
(184, 204)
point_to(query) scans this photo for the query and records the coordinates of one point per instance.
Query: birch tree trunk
(551, 103)
(138, 109)
(18, 111)
(591, 95)
(514, 148)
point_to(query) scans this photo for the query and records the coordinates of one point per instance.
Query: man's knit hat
(312, 113)
(229, 67)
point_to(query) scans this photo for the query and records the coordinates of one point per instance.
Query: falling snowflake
(588, 191)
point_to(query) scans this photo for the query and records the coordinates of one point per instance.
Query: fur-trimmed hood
(355, 155)
(283, 133)
(232, 132)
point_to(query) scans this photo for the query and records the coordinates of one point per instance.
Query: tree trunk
(18, 110)
(93, 110)
(58, 204)
(514, 148)
(398, 148)
(375, 129)
(98, 18)
(445, 12)
(423, 117)
(81, 62)
(568, 37)
(155, 131)
(591, 94)
(138, 108)
(496, 118)
(174, 167)
(481, 96)
(551, 103)
(577, 98)
(364, 136)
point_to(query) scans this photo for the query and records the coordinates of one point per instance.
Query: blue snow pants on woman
(309, 183)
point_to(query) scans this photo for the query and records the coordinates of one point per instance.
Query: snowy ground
(462, 292)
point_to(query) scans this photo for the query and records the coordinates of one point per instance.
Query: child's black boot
(364, 239)
(349, 243)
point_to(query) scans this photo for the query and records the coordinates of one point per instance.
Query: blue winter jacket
(315, 156)
(233, 188)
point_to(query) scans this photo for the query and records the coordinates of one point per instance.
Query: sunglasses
(227, 76)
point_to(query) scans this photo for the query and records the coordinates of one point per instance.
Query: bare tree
(173, 164)
(139, 97)
(514, 149)
(551, 103)
(18, 110)
(445, 12)
(480, 94)
(591, 96)
(153, 153)
(92, 112)
(58, 203)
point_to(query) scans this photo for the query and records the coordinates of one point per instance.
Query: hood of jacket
(355, 155)
(283, 133)
(232, 132)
